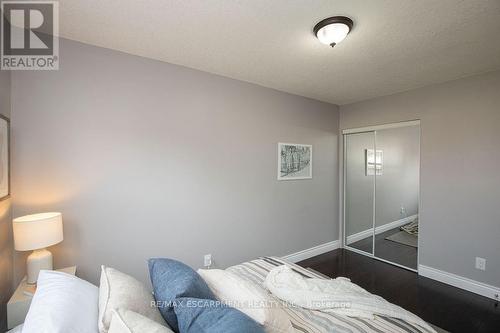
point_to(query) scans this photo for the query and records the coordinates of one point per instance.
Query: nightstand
(19, 303)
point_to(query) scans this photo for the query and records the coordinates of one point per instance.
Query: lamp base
(37, 260)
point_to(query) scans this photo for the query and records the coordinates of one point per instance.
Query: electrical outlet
(207, 260)
(480, 263)
(402, 211)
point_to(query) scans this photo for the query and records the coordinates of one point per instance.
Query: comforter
(314, 321)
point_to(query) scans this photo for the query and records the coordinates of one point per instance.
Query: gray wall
(397, 186)
(459, 177)
(145, 158)
(5, 218)
(359, 188)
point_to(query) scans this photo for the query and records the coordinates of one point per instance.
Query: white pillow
(126, 321)
(249, 298)
(62, 303)
(119, 290)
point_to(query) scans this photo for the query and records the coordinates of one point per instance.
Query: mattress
(311, 321)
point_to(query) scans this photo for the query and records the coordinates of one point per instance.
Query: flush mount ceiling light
(333, 30)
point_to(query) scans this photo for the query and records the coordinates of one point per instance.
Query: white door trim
(381, 127)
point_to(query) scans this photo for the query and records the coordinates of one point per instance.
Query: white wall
(145, 158)
(459, 177)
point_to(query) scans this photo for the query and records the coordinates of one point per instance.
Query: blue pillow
(172, 279)
(209, 316)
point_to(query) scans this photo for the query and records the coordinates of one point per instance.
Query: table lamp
(36, 232)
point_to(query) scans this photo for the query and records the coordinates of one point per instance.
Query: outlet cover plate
(480, 263)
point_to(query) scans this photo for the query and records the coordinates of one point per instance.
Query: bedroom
(158, 136)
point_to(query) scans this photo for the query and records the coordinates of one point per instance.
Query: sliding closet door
(359, 177)
(397, 159)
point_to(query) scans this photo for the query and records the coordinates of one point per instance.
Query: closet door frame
(374, 129)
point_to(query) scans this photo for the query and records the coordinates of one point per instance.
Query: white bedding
(63, 303)
(339, 296)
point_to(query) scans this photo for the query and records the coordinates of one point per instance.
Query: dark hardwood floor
(450, 308)
(395, 252)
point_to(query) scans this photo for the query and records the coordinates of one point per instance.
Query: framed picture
(374, 162)
(294, 161)
(4, 157)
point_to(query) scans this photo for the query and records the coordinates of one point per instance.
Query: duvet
(315, 321)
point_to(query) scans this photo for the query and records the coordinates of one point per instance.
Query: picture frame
(294, 161)
(4, 157)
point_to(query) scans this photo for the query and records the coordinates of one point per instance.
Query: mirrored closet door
(359, 192)
(381, 192)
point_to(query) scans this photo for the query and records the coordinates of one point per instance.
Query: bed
(79, 298)
(310, 321)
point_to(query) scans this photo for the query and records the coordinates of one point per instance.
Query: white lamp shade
(37, 231)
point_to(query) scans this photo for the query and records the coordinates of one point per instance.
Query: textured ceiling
(395, 45)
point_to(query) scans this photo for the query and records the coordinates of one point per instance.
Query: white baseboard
(312, 252)
(395, 224)
(359, 236)
(380, 229)
(476, 287)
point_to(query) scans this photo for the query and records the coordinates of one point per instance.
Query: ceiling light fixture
(333, 30)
